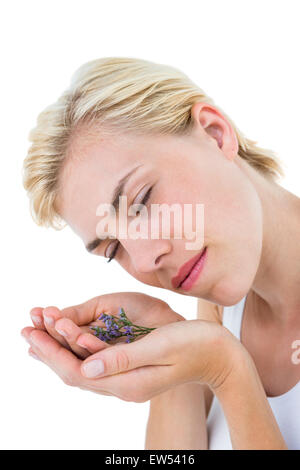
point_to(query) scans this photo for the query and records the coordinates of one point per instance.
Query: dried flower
(119, 326)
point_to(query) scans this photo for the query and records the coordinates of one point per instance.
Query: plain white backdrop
(244, 54)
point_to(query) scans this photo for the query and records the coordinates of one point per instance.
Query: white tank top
(286, 407)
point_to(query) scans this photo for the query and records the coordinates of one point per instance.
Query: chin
(230, 290)
(234, 276)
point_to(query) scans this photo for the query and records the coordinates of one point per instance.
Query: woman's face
(202, 168)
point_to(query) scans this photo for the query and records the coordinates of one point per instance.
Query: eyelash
(144, 201)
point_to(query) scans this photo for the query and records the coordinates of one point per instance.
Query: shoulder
(209, 311)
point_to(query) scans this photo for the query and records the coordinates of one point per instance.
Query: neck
(277, 281)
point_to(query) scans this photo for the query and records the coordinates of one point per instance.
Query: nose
(147, 255)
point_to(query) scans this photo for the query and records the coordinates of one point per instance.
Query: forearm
(248, 413)
(177, 419)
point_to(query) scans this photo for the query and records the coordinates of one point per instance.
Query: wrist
(248, 414)
(218, 353)
(240, 372)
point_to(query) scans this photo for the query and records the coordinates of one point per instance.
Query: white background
(244, 54)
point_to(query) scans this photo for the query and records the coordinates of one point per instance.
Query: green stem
(142, 327)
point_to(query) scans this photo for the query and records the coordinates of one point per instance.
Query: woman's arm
(249, 416)
(177, 419)
(251, 421)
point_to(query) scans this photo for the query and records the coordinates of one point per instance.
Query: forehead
(90, 175)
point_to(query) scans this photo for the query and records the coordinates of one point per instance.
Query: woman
(233, 383)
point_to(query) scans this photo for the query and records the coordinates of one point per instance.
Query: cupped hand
(71, 326)
(176, 353)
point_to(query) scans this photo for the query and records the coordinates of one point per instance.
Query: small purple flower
(128, 329)
(117, 327)
(115, 333)
(129, 338)
(102, 317)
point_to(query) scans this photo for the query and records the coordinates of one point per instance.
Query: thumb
(125, 357)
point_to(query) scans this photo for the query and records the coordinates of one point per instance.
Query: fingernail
(61, 332)
(37, 320)
(49, 320)
(81, 345)
(93, 368)
(34, 356)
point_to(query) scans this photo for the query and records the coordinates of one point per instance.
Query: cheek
(233, 227)
(233, 211)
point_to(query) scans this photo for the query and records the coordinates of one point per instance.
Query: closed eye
(144, 202)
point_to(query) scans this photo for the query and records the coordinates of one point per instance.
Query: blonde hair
(116, 94)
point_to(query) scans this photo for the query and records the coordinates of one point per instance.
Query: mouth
(190, 271)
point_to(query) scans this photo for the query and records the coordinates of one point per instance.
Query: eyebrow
(118, 191)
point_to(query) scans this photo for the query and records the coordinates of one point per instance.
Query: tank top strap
(232, 317)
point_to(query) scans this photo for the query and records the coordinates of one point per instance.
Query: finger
(150, 350)
(25, 332)
(90, 311)
(57, 357)
(36, 315)
(51, 315)
(62, 361)
(138, 385)
(84, 313)
(91, 343)
(71, 332)
(32, 354)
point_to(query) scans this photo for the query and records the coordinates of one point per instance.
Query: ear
(210, 120)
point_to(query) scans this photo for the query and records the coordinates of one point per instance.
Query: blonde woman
(230, 378)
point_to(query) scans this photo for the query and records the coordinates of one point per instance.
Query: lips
(185, 269)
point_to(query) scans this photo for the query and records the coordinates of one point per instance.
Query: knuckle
(120, 361)
(59, 324)
(69, 380)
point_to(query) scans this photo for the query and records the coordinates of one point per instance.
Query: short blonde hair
(116, 94)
